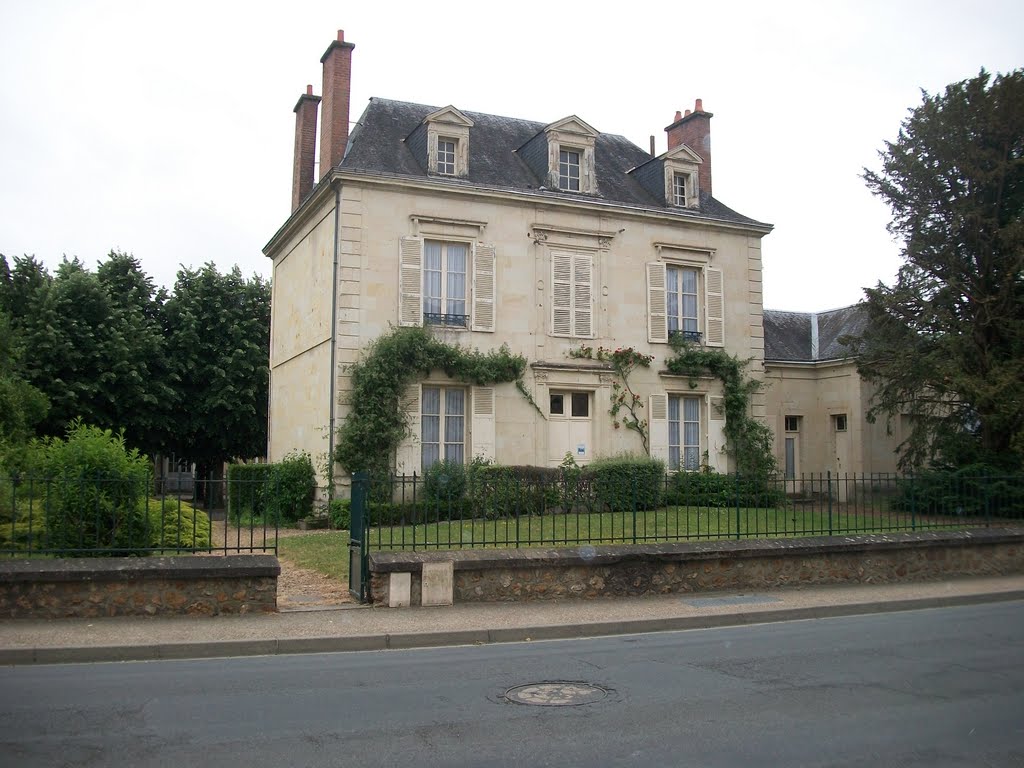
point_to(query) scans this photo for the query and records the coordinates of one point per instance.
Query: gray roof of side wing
(377, 145)
(788, 336)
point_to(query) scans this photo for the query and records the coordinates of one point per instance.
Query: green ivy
(376, 425)
(748, 440)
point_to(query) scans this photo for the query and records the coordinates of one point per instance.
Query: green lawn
(323, 551)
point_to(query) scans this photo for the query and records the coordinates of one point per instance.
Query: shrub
(444, 482)
(339, 513)
(627, 482)
(505, 491)
(97, 494)
(177, 525)
(710, 489)
(272, 493)
(976, 490)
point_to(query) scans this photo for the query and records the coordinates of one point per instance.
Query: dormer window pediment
(448, 142)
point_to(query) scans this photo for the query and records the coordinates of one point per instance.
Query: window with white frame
(681, 189)
(446, 155)
(684, 433)
(444, 283)
(572, 278)
(442, 425)
(569, 170)
(681, 285)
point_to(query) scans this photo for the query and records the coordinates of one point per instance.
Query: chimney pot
(699, 106)
(688, 113)
(341, 35)
(337, 61)
(309, 90)
(304, 159)
(679, 115)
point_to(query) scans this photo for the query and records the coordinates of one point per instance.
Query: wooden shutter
(714, 308)
(582, 296)
(410, 281)
(409, 456)
(561, 294)
(657, 316)
(483, 422)
(658, 427)
(483, 288)
(717, 457)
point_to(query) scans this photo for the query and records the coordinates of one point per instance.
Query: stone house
(493, 231)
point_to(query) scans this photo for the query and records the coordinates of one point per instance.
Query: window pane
(431, 403)
(691, 409)
(557, 406)
(691, 461)
(790, 458)
(432, 255)
(580, 404)
(673, 433)
(430, 426)
(689, 281)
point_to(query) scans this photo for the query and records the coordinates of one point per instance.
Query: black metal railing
(694, 336)
(134, 515)
(569, 508)
(445, 318)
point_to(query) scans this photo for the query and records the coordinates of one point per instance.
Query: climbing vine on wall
(748, 440)
(624, 360)
(376, 424)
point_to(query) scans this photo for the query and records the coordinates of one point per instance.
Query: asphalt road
(940, 687)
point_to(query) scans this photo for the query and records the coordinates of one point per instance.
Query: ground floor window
(683, 432)
(443, 425)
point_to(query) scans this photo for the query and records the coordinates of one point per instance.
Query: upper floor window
(446, 156)
(681, 170)
(569, 170)
(680, 189)
(444, 283)
(572, 277)
(681, 302)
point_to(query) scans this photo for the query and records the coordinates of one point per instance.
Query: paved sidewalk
(359, 628)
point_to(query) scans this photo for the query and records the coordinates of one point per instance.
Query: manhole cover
(556, 694)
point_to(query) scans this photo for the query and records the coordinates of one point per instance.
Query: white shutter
(561, 294)
(717, 457)
(658, 427)
(714, 308)
(410, 281)
(582, 298)
(483, 288)
(483, 422)
(657, 316)
(409, 457)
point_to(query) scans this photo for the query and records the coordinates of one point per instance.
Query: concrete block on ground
(400, 590)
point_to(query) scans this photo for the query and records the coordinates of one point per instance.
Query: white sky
(166, 129)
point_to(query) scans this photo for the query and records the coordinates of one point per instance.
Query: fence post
(737, 503)
(633, 491)
(357, 537)
(913, 503)
(829, 494)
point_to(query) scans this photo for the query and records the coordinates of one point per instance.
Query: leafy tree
(22, 406)
(945, 344)
(219, 347)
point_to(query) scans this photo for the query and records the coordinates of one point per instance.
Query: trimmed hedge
(273, 493)
(976, 490)
(175, 524)
(710, 489)
(627, 482)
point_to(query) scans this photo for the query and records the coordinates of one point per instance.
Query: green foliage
(273, 493)
(623, 360)
(339, 513)
(370, 435)
(627, 482)
(177, 525)
(975, 490)
(22, 405)
(219, 345)
(504, 491)
(944, 345)
(444, 482)
(97, 493)
(710, 489)
(748, 440)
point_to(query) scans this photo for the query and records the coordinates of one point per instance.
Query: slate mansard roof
(809, 337)
(378, 146)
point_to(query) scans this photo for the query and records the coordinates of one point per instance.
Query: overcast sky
(166, 129)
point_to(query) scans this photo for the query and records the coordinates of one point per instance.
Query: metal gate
(358, 573)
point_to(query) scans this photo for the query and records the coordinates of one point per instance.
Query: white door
(569, 426)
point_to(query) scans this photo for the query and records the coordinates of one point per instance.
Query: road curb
(410, 640)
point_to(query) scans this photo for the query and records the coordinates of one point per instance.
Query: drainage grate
(559, 693)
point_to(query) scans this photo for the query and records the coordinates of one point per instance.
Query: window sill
(445, 320)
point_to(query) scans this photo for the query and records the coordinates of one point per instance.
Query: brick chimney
(305, 146)
(337, 61)
(694, 130)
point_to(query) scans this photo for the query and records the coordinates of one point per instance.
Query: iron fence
(553, 508)
(136, 515)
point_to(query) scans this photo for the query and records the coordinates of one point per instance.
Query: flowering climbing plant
(626, 404)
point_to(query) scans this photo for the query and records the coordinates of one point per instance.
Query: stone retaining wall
(658, 569)
(138, 586)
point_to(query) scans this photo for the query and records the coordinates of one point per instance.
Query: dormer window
(446, 155)
(569, 170)
(447, 142)
(681, 166)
